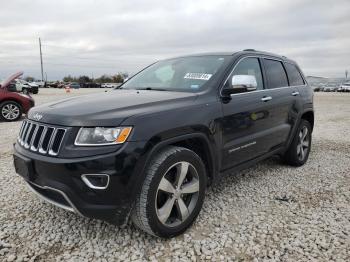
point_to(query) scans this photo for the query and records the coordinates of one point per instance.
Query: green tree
(118, 78)
(69, 78)
(84, 79)
(104, 79)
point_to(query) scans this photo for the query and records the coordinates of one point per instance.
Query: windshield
(189, 74)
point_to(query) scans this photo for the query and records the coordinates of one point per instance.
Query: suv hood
(5, 83)
(109, 108)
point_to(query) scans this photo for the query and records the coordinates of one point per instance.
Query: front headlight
(99, 136)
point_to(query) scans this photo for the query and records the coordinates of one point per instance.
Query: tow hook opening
(96, 181)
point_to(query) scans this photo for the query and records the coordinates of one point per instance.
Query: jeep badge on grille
(37, 116)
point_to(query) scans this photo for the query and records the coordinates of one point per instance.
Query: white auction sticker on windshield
(199, 76)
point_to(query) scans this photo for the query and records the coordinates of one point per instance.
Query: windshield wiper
(152, 88)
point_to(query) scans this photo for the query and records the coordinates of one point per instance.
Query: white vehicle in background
(345, 87)
(110, 85)
(39, 83)
(26, 87)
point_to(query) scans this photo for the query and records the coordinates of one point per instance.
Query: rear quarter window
(295, 78)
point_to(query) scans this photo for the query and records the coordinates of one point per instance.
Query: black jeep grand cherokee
(150, 149)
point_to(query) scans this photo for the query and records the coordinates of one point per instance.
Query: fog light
(96, 181)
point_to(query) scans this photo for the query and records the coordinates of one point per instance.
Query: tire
(151, 213)
(25, 91)
(10, 111)
(298, 151)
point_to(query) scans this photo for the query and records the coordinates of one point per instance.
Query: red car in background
(12, 104)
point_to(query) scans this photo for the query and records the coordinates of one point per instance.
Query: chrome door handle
(266, 98)
(296, 93)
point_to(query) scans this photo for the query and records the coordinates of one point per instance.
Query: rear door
(282, 104)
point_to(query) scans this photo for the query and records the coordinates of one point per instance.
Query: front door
(246, 118)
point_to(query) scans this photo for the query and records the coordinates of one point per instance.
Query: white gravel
(268, 212)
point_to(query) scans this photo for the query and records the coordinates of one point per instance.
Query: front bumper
(59, 181)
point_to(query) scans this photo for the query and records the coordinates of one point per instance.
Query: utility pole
(41, 61)
(346, 74)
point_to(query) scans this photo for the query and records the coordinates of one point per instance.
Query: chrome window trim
(265, 89)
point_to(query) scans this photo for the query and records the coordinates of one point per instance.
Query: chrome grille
(41, 138)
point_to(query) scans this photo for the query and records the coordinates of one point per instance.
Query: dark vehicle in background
(317, 89)
(151, 148)
(13, 104)
(73, 85)
(90, 85)
(53, 84)
(329, 88)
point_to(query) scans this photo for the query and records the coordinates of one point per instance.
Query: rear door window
(275, 74)
(295, 78)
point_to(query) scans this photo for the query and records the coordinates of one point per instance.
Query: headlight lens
(97, 136)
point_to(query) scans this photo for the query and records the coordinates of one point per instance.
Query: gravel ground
(268, 212)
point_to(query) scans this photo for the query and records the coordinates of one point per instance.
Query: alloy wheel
(304, 143)
(10, 111)
(177, 194)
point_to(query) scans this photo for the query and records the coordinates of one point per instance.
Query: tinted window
(249, 66)
(275, 74)
(295, 78)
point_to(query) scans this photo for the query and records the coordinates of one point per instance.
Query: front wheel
(25, 91)
(10, 111)
(172, 193)
(298, 151)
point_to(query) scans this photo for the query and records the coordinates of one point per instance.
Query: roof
(245, 51)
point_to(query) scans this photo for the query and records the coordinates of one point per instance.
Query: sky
(90, 37)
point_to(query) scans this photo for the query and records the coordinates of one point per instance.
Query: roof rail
(249, 49)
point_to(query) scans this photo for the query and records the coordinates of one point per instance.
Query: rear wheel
(298, 151)
(172, 194)
(10, 111)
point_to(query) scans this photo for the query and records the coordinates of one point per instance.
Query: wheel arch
(12, 100)
(198, 143)
(310, 117)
